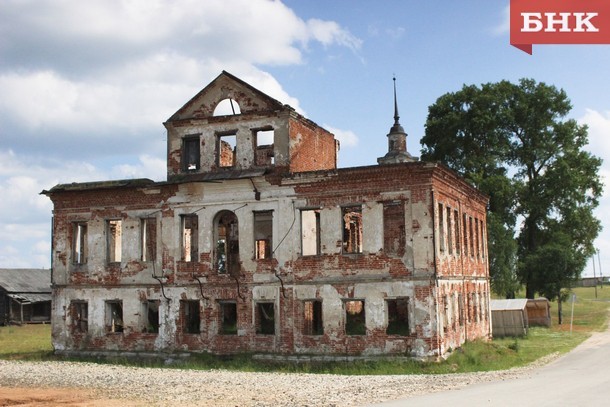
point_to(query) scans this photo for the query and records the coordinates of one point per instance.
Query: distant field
(27, 341)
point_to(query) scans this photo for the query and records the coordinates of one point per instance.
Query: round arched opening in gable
(227, 107)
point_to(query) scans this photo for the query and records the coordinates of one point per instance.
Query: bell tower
(397, 141)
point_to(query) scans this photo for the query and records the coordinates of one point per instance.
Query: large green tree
(514, 143)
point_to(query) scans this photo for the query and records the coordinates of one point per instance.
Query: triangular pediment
(227, 86)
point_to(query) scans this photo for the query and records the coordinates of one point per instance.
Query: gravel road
(163, 387)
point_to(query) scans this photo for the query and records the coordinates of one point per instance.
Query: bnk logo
(559, 22)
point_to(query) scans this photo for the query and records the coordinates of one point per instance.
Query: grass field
(25, 342)
(33, 342)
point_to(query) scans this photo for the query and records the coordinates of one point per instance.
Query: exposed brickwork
(312, 147)
(414, 220)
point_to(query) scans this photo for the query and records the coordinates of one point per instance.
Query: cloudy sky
(86, 85)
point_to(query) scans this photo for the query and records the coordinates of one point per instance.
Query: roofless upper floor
(231, 130)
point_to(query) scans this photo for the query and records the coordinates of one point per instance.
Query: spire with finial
(396, 116)
(397, 140)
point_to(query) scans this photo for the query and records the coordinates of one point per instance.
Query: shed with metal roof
(509, 317)
(25, 296)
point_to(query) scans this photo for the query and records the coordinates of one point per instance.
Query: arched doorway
(226, 238)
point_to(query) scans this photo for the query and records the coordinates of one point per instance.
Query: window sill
(346, 254)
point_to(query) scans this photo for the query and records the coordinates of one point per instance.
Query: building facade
(258, 243)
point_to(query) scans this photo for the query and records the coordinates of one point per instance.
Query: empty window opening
(265, 318)
(227, 107)
(465, 227)
(312, 324)
(449, 232)
(476, 310)
(79, 314)
(228, 318)
(441, 227)
(227, 243)
(113, 230)
(227, 151)
(477, 241)
(310, 232)
(114, 316)
(445, 313)
(148, 243)
(190, 153)
(263, 234)
(471, 236)
(79, 243)
(352, 229)
(190, 246)
(398, 317)
(355, 321)
(483, 241)
(264, 153)
(460, 303)
(151, 313)
(191, 319)
(456, 220)
(394, 238)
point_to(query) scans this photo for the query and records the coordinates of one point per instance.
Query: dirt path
(20, 396)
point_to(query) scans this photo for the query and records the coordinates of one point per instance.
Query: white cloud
(504, 26)
(347, 138)
(25, 215)
(329, 32)
(258, 31)
(37, 255)
(96, 79)
(149, 167)
(38, 98)
(599, 129)
(111, 69)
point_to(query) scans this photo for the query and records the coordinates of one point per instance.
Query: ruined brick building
(258, 243)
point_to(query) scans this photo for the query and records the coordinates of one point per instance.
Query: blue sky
(86, 85)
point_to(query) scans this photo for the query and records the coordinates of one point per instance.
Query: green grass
(25, 342)
(590, 315)
(32, 342)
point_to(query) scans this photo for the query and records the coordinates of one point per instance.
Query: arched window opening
(227, 107)
(226, 256)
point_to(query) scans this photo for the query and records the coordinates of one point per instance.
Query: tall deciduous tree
(513, 142)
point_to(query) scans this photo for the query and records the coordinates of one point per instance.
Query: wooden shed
(539, 312)
(509, 317)
(25, 296)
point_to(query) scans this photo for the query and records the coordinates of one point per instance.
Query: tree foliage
(514, 143)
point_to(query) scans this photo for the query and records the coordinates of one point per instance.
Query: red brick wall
(311, 147)
(323, 189)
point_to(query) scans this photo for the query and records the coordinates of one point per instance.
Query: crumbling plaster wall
(286, 280)
(244, 127)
